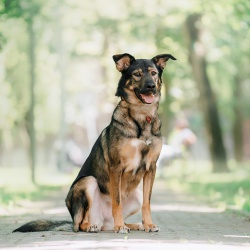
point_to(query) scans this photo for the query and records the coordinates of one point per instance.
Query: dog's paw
(76, 228)
(93, 229)
(151, 228)
(122, 229)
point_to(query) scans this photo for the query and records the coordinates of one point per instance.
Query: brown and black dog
(106, 192)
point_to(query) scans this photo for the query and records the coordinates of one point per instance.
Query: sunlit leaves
(92, 31)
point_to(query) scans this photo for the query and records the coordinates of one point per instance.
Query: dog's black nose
(150, 85)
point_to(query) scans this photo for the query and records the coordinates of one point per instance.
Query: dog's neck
(139, 121)
(140, 112)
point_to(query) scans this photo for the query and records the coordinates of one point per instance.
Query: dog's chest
(140, 153)
(146, 134)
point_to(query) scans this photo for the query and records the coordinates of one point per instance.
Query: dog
(106, 191)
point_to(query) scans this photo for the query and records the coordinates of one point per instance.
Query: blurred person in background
(69, 154)
(179, 144)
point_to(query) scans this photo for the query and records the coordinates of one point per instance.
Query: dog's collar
(148, 119)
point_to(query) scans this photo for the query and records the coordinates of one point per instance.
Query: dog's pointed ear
(123, 61)
(161, 60)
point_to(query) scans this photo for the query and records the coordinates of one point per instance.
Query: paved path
(185, 224)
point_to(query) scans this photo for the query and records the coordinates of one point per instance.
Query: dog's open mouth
(147, 98)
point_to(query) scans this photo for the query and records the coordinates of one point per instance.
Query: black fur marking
(120, 92)
(116, 121)
(120, 126)
(70, 197)
(78, 202)
(103, 188)
(141, 168)
(117, 198)
(101, 150)
(138, 127)
(108, 141)
(84, 203)
(144, 152)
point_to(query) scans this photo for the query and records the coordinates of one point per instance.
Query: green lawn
(229, 190)
(35, 193)
(16, 185)
(224, 190)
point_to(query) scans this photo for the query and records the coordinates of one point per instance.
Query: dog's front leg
(115, 192)
(148, 181)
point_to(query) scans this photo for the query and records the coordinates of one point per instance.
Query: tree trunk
(207, 98)
(166, 114)
(237, 124)
(62, 157)
(31, 116)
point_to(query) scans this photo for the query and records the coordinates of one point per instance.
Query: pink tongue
(148, 98)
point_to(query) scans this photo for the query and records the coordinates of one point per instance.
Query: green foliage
(20, 8)
(87, 33)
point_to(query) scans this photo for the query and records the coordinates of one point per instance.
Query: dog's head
(141, 78)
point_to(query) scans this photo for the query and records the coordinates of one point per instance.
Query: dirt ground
(185, 223)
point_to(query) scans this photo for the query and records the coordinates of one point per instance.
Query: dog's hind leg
(79, 202)
(78, 213)
(85, 225)
(76, 202)
(92, 221)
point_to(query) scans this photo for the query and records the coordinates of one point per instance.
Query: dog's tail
(45, 225)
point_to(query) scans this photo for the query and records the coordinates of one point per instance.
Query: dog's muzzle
(147, 97)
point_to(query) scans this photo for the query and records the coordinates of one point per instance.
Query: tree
(207, 98)
(27, 12)
(233, 43)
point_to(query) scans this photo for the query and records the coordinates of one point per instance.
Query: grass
(228, 190)
(224, 190)
(16, 185)
(36, 193)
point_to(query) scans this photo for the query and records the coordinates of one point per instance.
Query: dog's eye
(137, 74)
(153, 73)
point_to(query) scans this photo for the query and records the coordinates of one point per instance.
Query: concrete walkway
(184, 223)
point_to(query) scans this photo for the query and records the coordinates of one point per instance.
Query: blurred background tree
(58, 81)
